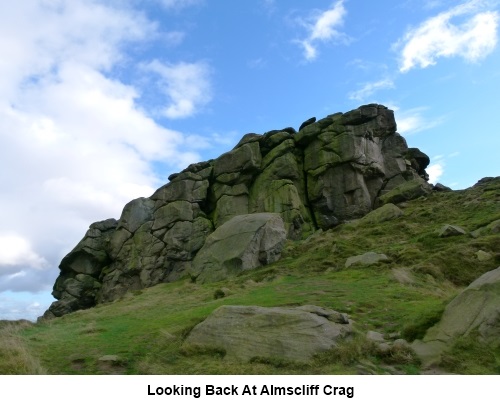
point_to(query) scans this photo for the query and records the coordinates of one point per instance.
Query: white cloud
(414, 120)
(37, 36)
(473, 38)
(310, 51)
(370, 88)
(75, 145)
(322, 27)
(435, 171)
(186, 85)
(16, 251)
(408, 123)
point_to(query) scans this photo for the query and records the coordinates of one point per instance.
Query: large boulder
(246, 332)
(245, 242)
(475, 310)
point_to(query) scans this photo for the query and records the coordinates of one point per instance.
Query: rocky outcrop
(80, 280)
(332, 170)
(476, 310)
(247, 332)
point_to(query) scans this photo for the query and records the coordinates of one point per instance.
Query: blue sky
(100, 100)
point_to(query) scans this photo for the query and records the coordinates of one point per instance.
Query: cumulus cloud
(75, 144)
(323, 26)
(16, 251)
(472, 37)
(370, 88)
(186, 86)
(436, 169)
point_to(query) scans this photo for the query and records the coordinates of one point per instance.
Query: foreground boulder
(244, 242)
(332, 170)
(475, 310)
(246, 332)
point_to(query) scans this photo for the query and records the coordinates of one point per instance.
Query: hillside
(143, 332)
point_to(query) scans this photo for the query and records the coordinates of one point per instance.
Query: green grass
(15, 355)
(469, 356)
(146, 330)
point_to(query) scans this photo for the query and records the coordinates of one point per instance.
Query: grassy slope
(146, 328)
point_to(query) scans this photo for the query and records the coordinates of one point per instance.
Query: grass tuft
(15, 355)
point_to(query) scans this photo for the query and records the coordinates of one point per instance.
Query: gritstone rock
(492, 228)
(244, 242)
(387, 212)
(441, 188)
(246, 332)
(476, 309)
(366, 259)
(451, 230)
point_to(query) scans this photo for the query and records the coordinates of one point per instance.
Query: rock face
(332, 170)
(246, 332)
(254, 240)
(474, 310)
(79, 281)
